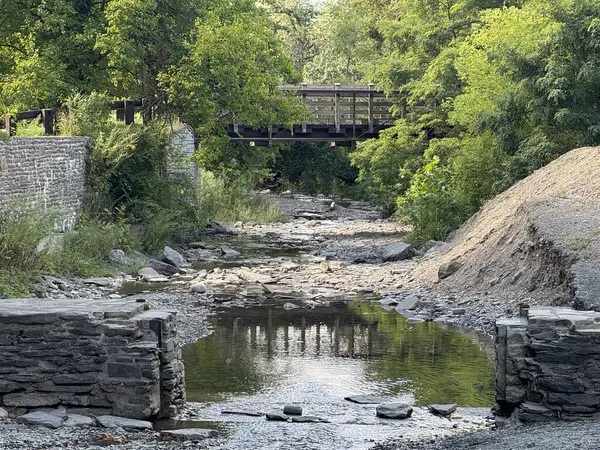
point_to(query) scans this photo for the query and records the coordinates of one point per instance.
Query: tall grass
(233, 202)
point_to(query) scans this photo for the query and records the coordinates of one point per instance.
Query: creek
(263, 357)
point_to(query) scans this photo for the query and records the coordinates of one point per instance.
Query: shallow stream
(264, 357)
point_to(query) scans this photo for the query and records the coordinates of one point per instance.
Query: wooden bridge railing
(125, 111)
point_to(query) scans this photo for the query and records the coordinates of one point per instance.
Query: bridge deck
(338, 113)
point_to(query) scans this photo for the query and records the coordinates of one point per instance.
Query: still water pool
(264, 357)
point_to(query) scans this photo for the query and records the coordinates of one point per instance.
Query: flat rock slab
(292, 410)
(42, 418)
(243, 413)
(308, 419)
(77, 420)
(123, 422)
(102, 282)
(394, 411)
(275, 415)
(189, 434)
(442, 410)
(365, 399)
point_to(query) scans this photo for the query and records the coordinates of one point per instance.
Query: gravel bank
(555, 436)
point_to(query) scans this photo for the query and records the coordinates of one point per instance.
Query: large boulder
(173, 257)
(398, 252)
(118, 257)
(394, 411)
(163, 268)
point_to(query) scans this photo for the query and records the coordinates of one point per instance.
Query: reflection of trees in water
(248, 351)
(442, 364)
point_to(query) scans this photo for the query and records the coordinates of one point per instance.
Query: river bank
(324, 253)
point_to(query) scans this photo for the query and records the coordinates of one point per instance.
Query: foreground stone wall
(99, 356)
(49, 168)
(548, 364)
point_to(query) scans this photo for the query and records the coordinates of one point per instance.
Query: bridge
(342, 114)
(339, 113)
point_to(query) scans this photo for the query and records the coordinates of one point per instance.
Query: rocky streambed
(324, 307)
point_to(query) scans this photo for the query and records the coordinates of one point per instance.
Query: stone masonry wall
(49, 168)
(98, 356)
(548, 365)
(184, 146)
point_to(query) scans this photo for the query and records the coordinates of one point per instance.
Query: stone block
(30, 399)
(116, 370)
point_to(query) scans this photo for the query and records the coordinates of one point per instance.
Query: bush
(84, 250)
(233, 201)
(23, 225)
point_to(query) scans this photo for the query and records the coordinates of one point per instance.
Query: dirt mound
(538, 242)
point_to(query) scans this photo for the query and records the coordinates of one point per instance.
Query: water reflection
(345, 347)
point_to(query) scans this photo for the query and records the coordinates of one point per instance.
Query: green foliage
(317, 168)
(84, 250)
(232, 201)
(23, 225)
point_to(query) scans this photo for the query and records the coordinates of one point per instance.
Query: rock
(398, 252)
(123, 422)
(325, 267)
(243, 413)
(289, 306)
(254, 277)
(98, 281)
(277, 416)
(409, 302)
(31, 400)
(442, 410)
(51, 243)
(77, 420)
(415, 320)
(6, 387)
(389, 302)
(42, 418)
(447, 269)
(198, 288)
(429, 245)
(365, 399)
(292, 410)
(150, 275)
(228, 252)
(173, 257)
(200, 245)
(3, 414)
(394, 411)
(163, 268)
(308, 419)
(289, 266)
(118, 258)
(189, 434)
(459, 311)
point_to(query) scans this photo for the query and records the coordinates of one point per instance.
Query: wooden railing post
(7, 122)
(48, 121)
(371, 105)
(129, 112)
(304, 123)
(337, 109)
